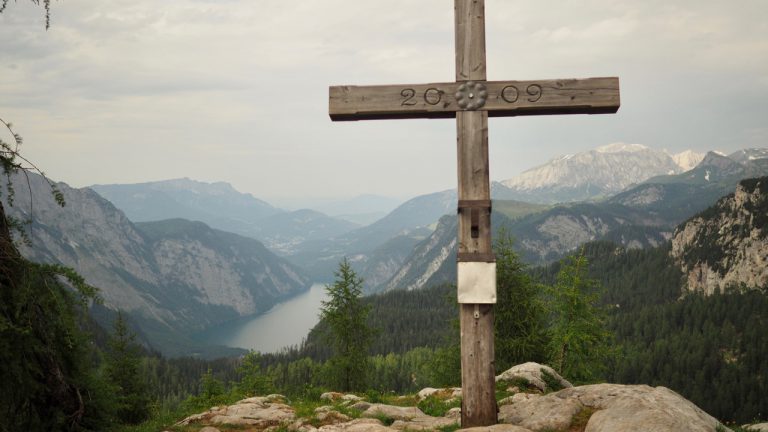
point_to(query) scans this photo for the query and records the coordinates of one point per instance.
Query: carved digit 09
(433, 96)
(408, 94)
(535, 91)
(510, 94)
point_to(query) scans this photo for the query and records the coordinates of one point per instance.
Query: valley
(242, 256)
(672, 245)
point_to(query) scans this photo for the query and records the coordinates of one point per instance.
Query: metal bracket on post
(475, 207)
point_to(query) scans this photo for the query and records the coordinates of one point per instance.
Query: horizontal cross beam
(498, 98)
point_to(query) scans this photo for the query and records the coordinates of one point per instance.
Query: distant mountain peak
(688, 159)
(599, 172)
(620, 147)
(749, 154)
(718, 159)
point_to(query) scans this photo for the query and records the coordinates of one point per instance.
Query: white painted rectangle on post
(477, 282)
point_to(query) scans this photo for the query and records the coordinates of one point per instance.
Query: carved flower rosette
(471, 95)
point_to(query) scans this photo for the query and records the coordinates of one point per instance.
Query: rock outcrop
(257, 412)
(609, 408)
(591, 408)
(727, 245)
(535, 375)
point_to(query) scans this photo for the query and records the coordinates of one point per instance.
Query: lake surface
(284, 325)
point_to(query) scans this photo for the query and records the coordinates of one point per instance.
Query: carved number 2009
(432, 96)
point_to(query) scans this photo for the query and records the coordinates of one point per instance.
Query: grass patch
(553, 384)
(385, 419)
(347, 410)
(374, 396)
(580, 420)
(520, 383)
(165, 418)
(436, 407)
(306, 408)
(734, 428)
(403, 401)
(449, 428)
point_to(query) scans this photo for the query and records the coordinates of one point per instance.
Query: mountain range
(642, 216)
(380, 250)
(220, 206)
(201, 264)
(172, 277)
(596, 174)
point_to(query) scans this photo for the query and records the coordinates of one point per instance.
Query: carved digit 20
(432, 96)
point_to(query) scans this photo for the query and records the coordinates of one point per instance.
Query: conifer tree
(520, 320)
(255, 381)
(579, 339)
(346, 315)
(123, 370)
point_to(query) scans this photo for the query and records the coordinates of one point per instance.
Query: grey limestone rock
(533, 373)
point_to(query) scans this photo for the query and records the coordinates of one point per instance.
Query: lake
(284, 325)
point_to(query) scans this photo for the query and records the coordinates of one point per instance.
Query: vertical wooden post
(476, 320)
(471, 97)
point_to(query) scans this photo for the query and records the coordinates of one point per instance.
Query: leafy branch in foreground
(48, 380)
(12, 162)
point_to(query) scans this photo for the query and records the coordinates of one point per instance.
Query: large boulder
(539, 413)
(534, 374)
(613, 408)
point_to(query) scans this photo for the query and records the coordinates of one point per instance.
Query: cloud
(236, 90)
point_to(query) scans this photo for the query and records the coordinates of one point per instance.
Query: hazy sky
(125, 91)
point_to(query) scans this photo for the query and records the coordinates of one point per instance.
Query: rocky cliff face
(430, 259)
(173, 277)
(727, 244)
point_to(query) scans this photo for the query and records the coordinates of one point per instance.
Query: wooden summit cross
(471, 99)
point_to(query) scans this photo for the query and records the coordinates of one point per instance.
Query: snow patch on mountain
(621, 147)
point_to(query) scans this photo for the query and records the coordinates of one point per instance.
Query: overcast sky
(126, 91)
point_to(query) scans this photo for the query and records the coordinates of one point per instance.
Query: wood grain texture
(473, 177)
(477, 345)
(478, 383)
(469, 21)
(505, 99)
(478, 406)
